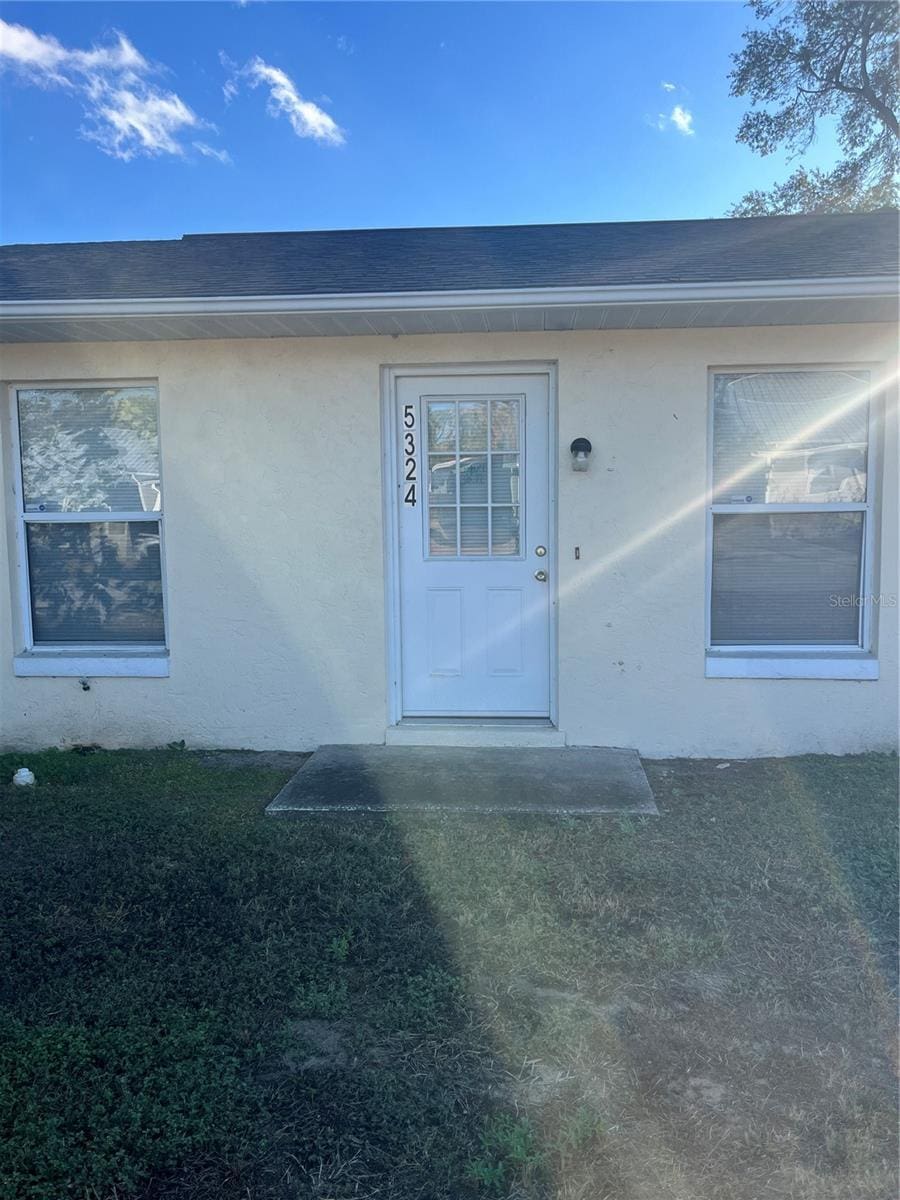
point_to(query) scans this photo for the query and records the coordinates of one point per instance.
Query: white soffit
(793, 302)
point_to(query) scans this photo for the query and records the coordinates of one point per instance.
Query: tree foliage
(819, 60)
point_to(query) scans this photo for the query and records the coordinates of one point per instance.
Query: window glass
(441, 479)
(95, 582)
(473, 425)
(473, 479)
(442, 524)
(505, 478)
(504, 424)
(89, 449)
(473, 531)
(441, 425)
(474, 468)
(786, 578)
(790, 437)
(504, 531)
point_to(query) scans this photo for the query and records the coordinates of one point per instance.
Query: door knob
(541, 576)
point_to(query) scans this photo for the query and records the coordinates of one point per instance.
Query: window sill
(121, 663)
(829, 664)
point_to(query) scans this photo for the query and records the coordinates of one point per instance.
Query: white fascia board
(846, 288)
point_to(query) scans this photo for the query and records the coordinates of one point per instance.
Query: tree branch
(867, 91)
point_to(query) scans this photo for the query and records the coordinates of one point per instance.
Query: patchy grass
(197, 1001)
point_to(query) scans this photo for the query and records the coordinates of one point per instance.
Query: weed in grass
(509, 1154)
(339, 946)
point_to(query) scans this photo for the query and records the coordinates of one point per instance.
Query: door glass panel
(441, 479)
(504, 424)
(473, 481)
(442, 531)
(505, 478)
(473, 466)
(473, 425)
(473, 531)
(504, 531)
(442, 426)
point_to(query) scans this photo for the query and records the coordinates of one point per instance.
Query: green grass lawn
(198, 1001)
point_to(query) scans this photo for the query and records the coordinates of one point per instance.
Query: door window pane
(504, 424)
(790, 437)
(473, 425)
(505, 531)
(786, 578)
(473, 531)
(482, 474)
(505, 478)
(89, 449)
(441, 479)
(442, 531)
(441, 425)
(473, 479)
(95, 582)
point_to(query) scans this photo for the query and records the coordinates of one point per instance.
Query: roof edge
(331, 230)
(818, 288)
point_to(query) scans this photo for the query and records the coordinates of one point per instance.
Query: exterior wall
(275, 563)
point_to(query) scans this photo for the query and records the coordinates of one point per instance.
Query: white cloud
(126, 114)
(683, 120)
(306, 118)
(128, 124)
(679, 118)
(221, 156)
(344, 44)
(667, 87)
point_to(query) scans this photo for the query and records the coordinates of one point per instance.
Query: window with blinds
(790, 507)
(90, 509)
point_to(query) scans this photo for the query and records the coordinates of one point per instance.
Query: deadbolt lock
(540, 551)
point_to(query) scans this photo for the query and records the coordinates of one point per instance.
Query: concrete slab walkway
(457, 779)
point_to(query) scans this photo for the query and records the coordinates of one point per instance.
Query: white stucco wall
(274, 555)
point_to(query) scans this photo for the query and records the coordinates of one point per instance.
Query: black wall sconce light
(581, 452)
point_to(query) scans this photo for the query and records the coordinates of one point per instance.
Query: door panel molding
(391, 374)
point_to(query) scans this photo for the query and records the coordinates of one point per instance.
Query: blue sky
(147, 120)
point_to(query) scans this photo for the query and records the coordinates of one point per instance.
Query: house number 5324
(409, 454)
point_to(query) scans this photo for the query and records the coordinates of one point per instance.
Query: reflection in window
(792, 576)
(86, 454)
(474, 476)
(95, 582)
(790, 437)
(89, 449)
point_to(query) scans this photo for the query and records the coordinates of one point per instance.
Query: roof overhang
(648, 306)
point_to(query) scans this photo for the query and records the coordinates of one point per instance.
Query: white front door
(474, 529)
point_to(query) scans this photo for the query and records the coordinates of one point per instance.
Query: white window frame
(86, 659)
(759, 661)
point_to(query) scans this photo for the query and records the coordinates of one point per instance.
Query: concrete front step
(471, 734)
(583, 781)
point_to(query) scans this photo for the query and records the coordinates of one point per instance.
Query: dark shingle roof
(456, 259)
